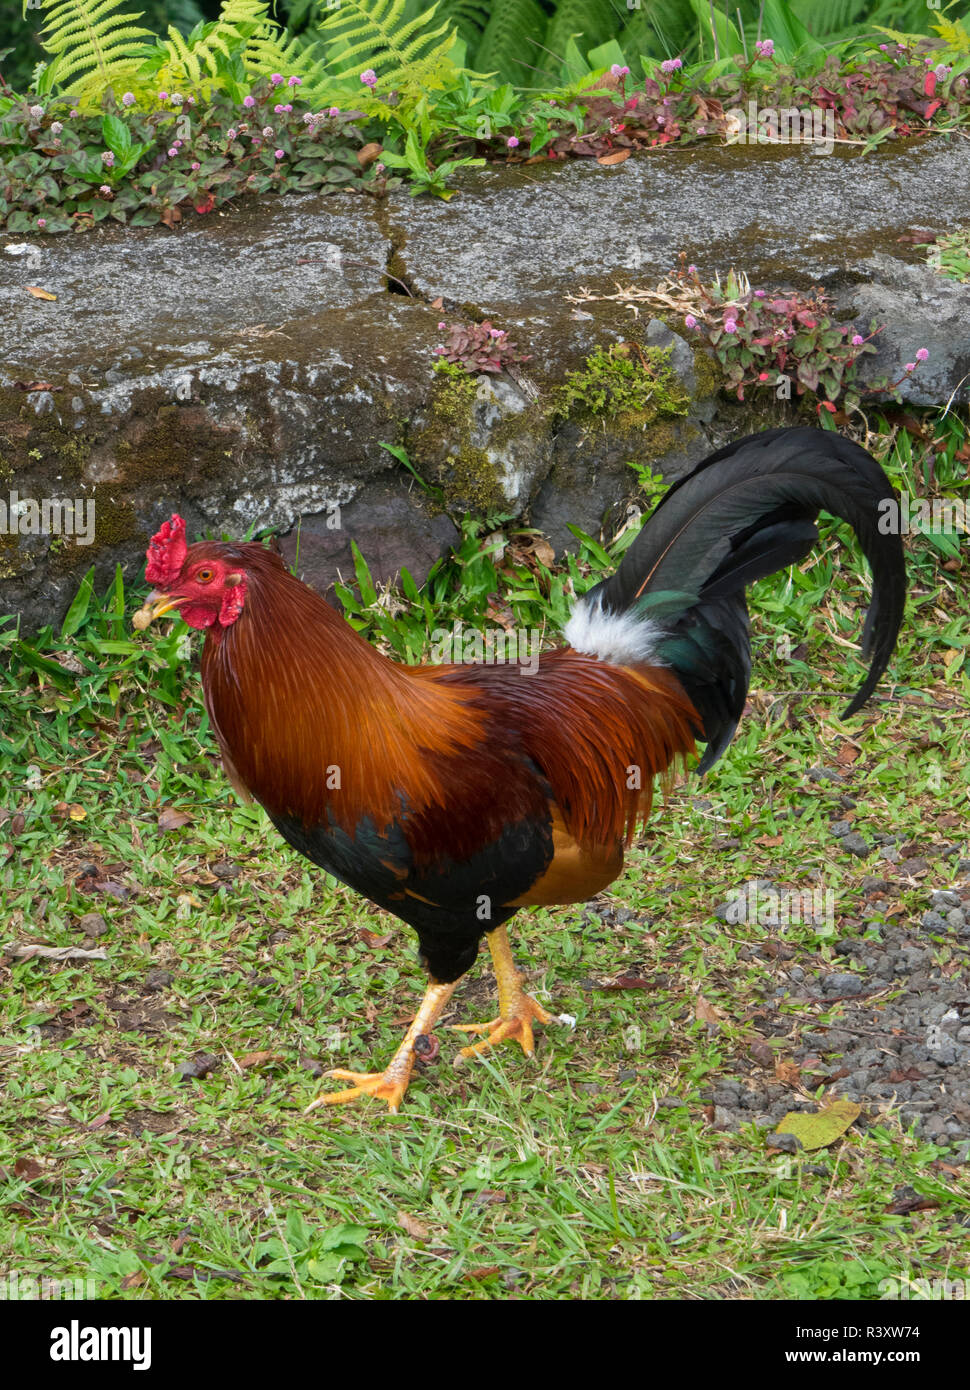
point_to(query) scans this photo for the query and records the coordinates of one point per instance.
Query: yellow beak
(155, 606)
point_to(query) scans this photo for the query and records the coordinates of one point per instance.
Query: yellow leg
(391, 1084)
(517, 1010)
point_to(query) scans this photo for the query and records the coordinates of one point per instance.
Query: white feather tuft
(619, 638)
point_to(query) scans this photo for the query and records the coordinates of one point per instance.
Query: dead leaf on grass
(55, 953)
(823, 1128)
(413, 1227)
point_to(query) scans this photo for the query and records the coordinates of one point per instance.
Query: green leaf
(78, 610)
(819, 1130)
(606, 55)
(116, 135)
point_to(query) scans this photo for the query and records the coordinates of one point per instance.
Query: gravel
(896, 1030)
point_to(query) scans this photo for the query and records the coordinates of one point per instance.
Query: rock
(841, 983)
(872, 884)
(944, 897)
(92, 924)
(824, 774)
(157, 980)
(955, 918)
(784, 1143)
(932, 921)
(856, 845)
(394, 530)
(268, 355)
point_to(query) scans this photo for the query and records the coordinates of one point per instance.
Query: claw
(525, 1011)
(385, 1085)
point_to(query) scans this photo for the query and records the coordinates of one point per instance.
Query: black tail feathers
(745, 512)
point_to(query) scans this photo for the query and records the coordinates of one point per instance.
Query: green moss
(708, 377)
(627, 383)
(443, 449)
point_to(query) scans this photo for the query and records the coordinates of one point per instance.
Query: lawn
(151, 1129)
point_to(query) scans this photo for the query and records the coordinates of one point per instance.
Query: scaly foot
(390, 1084)
(385, 1085)
(515, 1022)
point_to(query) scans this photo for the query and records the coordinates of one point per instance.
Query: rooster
(454, 795)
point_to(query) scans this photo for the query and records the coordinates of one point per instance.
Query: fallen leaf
(170, 819)
(909, 1204)
(706, 1012)
(205, 204)
(414, 1228)
(28, 1169)
(38, 293)
(371, 938)
(34, 386)
(368, 153)
(113, 890)
(625, 982)
(258, 1059)
(100, 1121)
(617, 157)
(55, 953)
(762, 1054)
(170, 217)
(788, 1072)
(819, 1130)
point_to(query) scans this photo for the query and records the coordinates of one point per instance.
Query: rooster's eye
(204, 576)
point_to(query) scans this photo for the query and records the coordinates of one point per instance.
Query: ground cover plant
(119, 122)
(174, 980)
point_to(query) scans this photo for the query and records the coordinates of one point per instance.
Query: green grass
(557, 1178)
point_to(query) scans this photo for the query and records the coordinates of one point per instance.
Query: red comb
(166, 552)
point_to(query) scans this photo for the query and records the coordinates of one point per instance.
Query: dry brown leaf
(38, 293)
(55, 953)
(706, 1012)
(413, 1227)
(257, 1059)
(368, 153)
(371, 938)
(170, 819)
(617, 157)
(28, 1169)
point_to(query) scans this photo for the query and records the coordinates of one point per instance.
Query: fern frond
(405, 53)
(270, 50)
(468, 16)
(93, 46)
(509, 43)
(595, 20)
(187, 61)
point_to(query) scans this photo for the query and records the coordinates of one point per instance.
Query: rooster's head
(204, 581)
